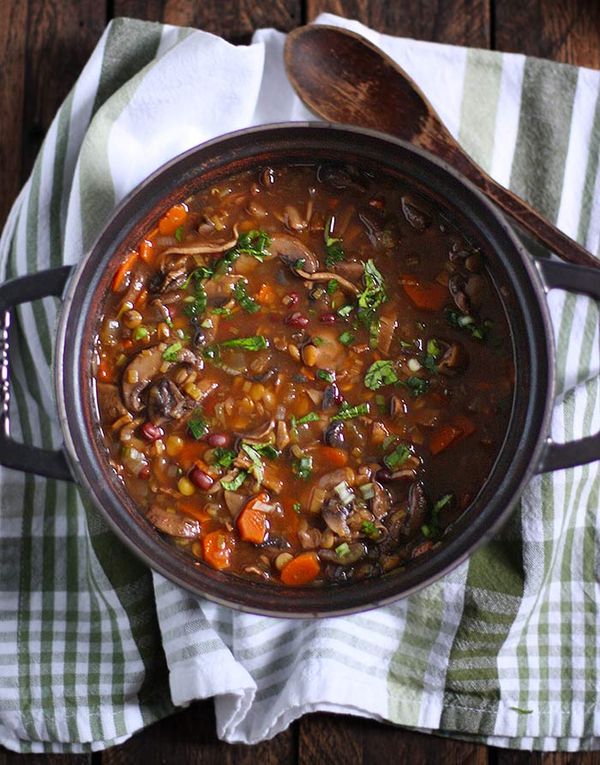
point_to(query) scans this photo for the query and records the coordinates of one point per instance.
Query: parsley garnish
(326, 375)
(223, 457)
(397, 457)
(267, 450)
(243, 298)
(310, 417)
(334, 250)
(380, 373)
(332, 286)
(297, 507)
(347, 338)
(179, 233)
(236, 482)
(468, 323)
(197, 425)
(342, 550)
(417, 385)
(303, 467)
(347, 412)
(170, 353)
(370, 529)
(198, 306)
(442, 502)
(345, 311)
(255, 243)
(372, 297)
(255, 343)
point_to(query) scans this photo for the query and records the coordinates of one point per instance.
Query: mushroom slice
(354, 553)
(326, 276)
(387, 327)
(309, 538)
(417, 218)
(142, 368)
(335, 516)
(352, 270)
(187, 356)
(417, 509)
(234, 502)
(109, 401)
(330, 354)
(173, 524)
(259, 434)
(290, 249)
(203, 248)
(167, 402)
(454, 360)
(381, 502)
(330, 480)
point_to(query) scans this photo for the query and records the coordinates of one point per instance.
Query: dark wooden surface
(43, 45)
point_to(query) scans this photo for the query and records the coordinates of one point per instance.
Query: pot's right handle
(587, 282)
(32, 459)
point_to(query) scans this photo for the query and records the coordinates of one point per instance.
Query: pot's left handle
(585, 281)
(32, 459)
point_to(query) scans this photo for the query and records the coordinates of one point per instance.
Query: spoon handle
(515, 207)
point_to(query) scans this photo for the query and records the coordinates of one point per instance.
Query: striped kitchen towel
(94, 646)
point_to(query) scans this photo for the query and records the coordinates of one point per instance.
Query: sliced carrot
(442, 438)
(141, 299)
(217, 549)
(335, 457)
(252, 525)
(145, 248)
(266, 295)
(105, 372)
(430, 296)
(193, 511)
(302, 569)
(123, 270)
(172, 219)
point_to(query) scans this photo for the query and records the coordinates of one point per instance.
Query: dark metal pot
(527, 449)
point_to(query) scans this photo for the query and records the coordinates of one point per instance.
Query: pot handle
(585, 281)
(32, 459)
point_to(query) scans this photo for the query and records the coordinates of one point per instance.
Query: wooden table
(43, 46)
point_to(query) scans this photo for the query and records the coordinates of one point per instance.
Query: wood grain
(13, 26)
(334, 739)
(567, 31)
(190, 737)
(235, 20)
(61, 34)
(460, 22)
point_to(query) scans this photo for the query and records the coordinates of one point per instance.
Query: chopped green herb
(468, 323)
(417, 385)
(236, 482)
(297, 507)
(334, 250)
(332, 286)
(342, 550)
(404, 344)
(427, 531)
(442, 502)
(380, 373)
(372, 297)
(179, 233)
(381, 403)
(197, 425)
(255, 343)
(347, 412)
(255, 243)
(345, 311)
(318, 341)
(170, 353)
(221, 311)
(207, 324)
(370, 529)
(196, 308)
(310, 417)
(388, 441)
(397, 457)
(347, 338)
(303, 467)
(252, 453)
(168, 321)
(223, 457)
(139, 333)
(267, 450)
(433, 348)
(326, 375)
(243, 298)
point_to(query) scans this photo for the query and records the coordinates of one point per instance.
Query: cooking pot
(522, 284)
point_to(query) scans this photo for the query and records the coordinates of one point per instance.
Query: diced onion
(413, 365)
(367, 490)
(464, 320)
(264, 507)
(344, 493)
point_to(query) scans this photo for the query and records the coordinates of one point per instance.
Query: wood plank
(333, 739)
(13, 23)
(190, 737)
(460, 22)
(567, 31)
(61, 35)
(10, 758)
(235, 20)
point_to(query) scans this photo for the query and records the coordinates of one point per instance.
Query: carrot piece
(442, 438)
(301, 570)
(191, 451)
(123, 270)
(430, 296)
(266, 295)
(141, 299)
(194, 512)
(217, 549)
(172, 219)
(252, 524)
(145, 249)
(105, 372)
(337, 458)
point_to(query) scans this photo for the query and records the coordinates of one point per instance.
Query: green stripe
(122, 71)
(543, 135)
(483, 75)
(590, 175)
(58, 192)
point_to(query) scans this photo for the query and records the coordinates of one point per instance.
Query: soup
(304, 374)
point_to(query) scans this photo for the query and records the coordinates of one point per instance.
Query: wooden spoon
(344, 78)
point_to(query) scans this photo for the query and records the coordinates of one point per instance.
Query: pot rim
(433, 566)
